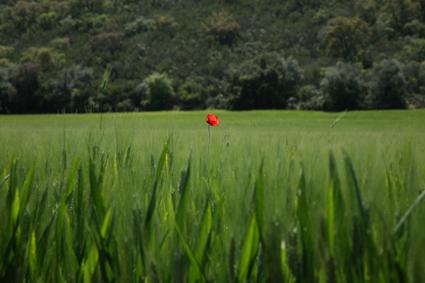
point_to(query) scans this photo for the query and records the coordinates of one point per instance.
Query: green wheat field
(267, 196)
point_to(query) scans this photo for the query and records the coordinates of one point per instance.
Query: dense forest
(128, 55)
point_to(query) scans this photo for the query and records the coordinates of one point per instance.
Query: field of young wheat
(266, 196)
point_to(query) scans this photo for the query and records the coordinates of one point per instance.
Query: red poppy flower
(212, 120)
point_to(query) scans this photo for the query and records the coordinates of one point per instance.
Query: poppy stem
(209, 137)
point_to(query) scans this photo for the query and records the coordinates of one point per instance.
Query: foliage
(141, 24)
(107, 42)
(221, 26)
(414, 28)
(388, 86)
(346, 36)
(88, 23)
(401, 12)
(47, 20)
(157, 92)
(6, 51)
(26, 83)
(190, 95)
(6, 89)
(344, 88)
(204, 46)
(71, 87)
(414, 74)
(61, 43)
(310, 98)
(48, 58)
(414, 50)
(166, 23)
(266, 81)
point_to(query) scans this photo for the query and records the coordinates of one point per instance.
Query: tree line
(104, 55)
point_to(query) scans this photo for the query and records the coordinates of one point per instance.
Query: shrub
(346, 36)
(310, 98)
(26, 82)
(166, 23)
(157, 92)
(265, 82)
(69, 90)
(141, 24)
(414, 74)
(77, 6)
(343, 87)
(221, 27)
(190, 95)
(107, 42)
(6, 89)
(60, 43)
(6, 51)
(47, 20)
(388, 86)
(25, 14)
(92, 22)
(414, 28)
(414, 49)
(48, 58)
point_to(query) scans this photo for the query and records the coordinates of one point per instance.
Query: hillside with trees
(128, 55)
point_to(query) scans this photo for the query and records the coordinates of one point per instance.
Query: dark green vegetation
(108, 55)
(272, 197)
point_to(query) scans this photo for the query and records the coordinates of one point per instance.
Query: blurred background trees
(298, 54)
(344, 88)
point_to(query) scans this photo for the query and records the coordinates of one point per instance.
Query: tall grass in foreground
(104, 219)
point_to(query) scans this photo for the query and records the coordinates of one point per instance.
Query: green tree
(26, 82)
(6, 51)
(6, 89)
(221, 27)
(346, 36)
(158, 92)
(69, 90)
(79, 6)
(401, 12)
(343, 87)
(25, 14)
(48, 58)
(190, 95)
(414, 74)
(265, 82)
(388, 86)
(110, 42)
(309, 97)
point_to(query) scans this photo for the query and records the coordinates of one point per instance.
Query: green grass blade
(288, 277)
(15, 208)
(335, 210)
(409, 211)
(249, 250)
(32, 257)
(157, 178)
(305, 231)
(88, 266)
(13, 182)
(106, 224)
(259, 202)
(360, 204)
(26, 191)
(71, 180)
(184, 193)
(96, 194)
(4, 180)
(194, 262)
(202, 244)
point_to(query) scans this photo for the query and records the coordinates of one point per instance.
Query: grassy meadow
(267, 196)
